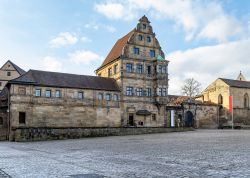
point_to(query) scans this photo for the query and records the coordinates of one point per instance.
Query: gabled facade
(8, 72)
(138, 64)
(219, 91)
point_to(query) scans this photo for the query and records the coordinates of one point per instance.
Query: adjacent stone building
(8, 72)
(219, 91)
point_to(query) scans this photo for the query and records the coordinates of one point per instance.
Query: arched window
(220, 99)
(246, 101)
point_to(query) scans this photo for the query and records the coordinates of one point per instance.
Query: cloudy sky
(203, 39)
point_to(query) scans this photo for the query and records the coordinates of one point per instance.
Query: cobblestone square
(200, 153)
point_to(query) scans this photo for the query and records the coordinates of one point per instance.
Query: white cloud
(85, 57)
(64, 38)
(51, 64)
(198, 19)
(207, 63)
(110, 28)
(228, 27)
(85, 39)
(112, 10)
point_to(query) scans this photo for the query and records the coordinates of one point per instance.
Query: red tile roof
(117, 49)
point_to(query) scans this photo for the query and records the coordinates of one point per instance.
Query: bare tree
(191, 87)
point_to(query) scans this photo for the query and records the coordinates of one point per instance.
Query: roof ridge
(18, 69)
(67, 73)
(64, 80)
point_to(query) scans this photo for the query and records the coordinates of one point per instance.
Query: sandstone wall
(38, 134)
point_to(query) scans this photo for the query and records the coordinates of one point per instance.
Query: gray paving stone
(201, 153)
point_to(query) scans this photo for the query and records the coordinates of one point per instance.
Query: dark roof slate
(55, 79)
(236, 83)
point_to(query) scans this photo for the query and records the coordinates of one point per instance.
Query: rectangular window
(159, 69)
(115, 68)
(164, 92)
(140, 37)
(100, 96)
(159, 91)
(152, 53)
(0, 83)
(22, 117)
(8, 73)
(80, 95)
(115, 97)
(144, 26)
(148, 92)
(138, 68)
(1, 121)
(129, 91)
(139, 92)
(48, 93)
(38, 92)
(136, 51)
(58, 94)
(148, 39)
(108, 96)
(109, 72)
(129, 67)
(153, 117)
(149, 69)
(164, 69)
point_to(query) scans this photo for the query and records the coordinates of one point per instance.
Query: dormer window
(144, 26)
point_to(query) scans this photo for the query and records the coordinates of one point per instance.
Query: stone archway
(189, 119)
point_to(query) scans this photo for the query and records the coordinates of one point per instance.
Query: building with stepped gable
(138, 64)
(129, 95)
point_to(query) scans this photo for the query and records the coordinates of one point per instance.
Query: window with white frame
(58, 94)
(38, 92)
(129, 91)
(139, 68)
(138, 91)
(129, 67)
(48, 93)
(148, 91)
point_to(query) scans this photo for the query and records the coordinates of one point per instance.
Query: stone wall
(38, 134)
(207, 116)
(3, 124)
(66, 111)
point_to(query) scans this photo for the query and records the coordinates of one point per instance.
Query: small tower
(241, 77)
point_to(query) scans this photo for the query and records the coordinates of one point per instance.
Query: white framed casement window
(37, 92)
(48, 93)
(58, 94)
